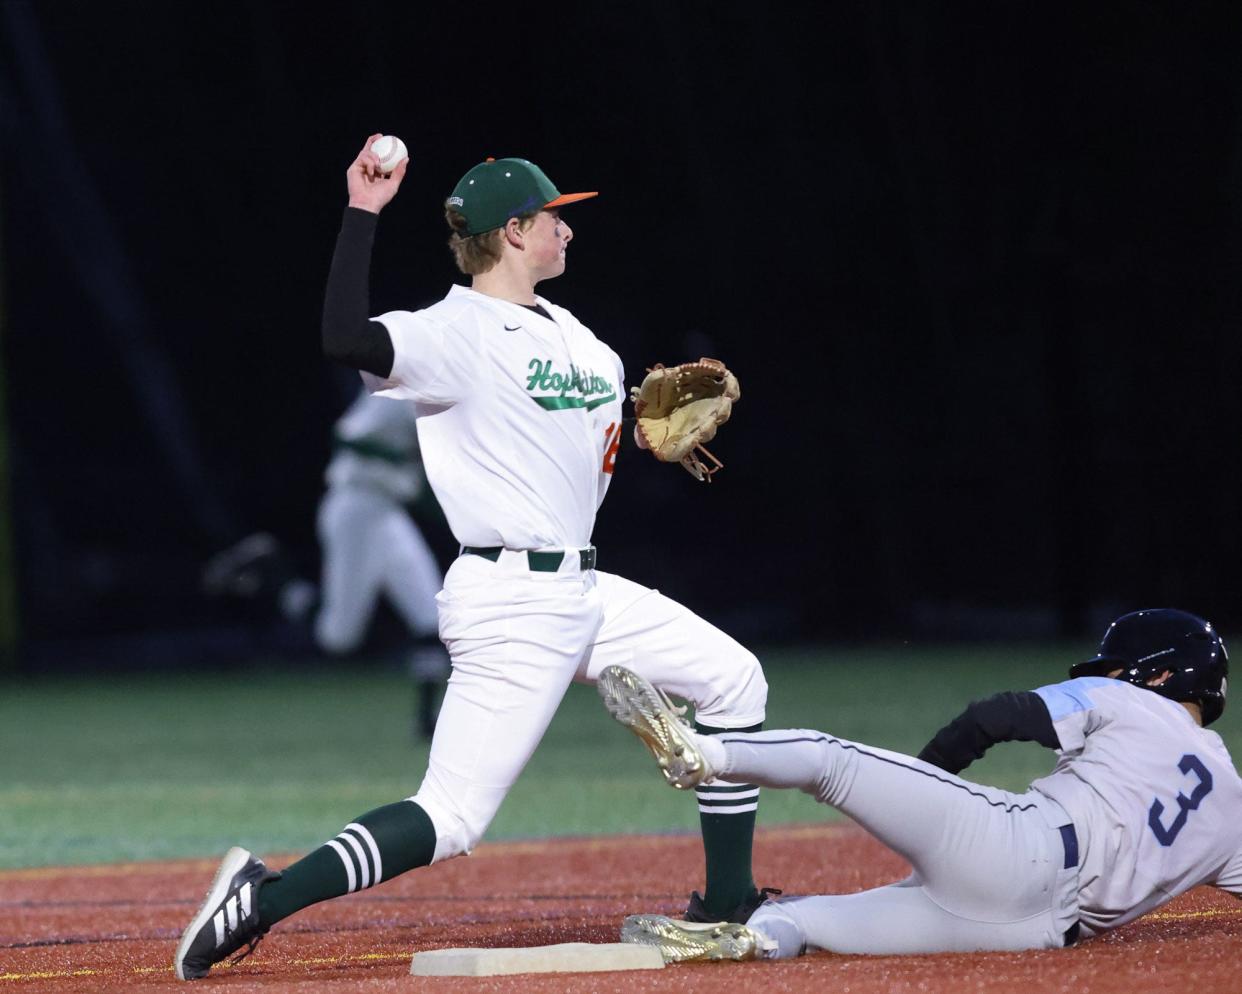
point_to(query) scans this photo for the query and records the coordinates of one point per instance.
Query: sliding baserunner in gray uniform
(1144, 804)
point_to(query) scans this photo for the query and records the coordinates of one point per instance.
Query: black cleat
(228, 918)
(697, 911)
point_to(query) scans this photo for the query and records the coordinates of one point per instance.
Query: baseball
(391, 150)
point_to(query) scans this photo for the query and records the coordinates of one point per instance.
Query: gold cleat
(653, 718)
(684, 942)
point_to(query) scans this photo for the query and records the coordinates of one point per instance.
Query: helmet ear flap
(1094, 667)
(1214, 706)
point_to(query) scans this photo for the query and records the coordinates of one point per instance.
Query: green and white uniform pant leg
(989, 866)
(688, 658)
(371, 546)
(518, 638)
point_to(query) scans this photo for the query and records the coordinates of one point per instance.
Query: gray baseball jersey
(1142, 805)
(1154, 798)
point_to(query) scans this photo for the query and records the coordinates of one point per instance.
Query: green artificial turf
(150, 767)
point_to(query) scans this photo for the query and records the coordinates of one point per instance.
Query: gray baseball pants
(990, 866)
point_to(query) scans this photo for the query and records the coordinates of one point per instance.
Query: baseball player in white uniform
(1144, 803)
(520, 421)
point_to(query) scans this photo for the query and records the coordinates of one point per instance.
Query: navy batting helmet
(1144, 644)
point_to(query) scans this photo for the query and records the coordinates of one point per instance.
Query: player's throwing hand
(369, 189)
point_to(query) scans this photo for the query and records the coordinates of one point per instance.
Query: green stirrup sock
(379, 845)
(727, 819)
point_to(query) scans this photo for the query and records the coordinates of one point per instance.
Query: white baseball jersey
(519, 420)
(376, 448)
(1154, 798)
(519, 416)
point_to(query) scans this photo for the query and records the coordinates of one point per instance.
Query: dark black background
(974, 264)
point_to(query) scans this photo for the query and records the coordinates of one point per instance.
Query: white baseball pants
(989, 865)
(518, 638)
(371, 546)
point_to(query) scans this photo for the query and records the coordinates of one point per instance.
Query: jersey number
(612, 442)
(1189, 763)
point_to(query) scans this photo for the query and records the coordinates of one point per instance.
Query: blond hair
(476, 254)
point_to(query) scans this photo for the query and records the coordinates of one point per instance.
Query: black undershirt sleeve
(349, 336)
(1012, 716)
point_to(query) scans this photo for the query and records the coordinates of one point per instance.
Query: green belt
(540, 562)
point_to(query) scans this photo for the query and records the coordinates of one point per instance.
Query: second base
(567, 957)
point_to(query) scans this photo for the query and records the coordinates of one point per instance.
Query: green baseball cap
(498, 189)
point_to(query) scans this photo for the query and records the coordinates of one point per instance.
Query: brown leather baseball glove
(680, 407)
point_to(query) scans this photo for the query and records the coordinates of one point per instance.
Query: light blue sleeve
(1070, 706)
(1063, 699)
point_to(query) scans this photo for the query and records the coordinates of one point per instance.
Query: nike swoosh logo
(514, 328)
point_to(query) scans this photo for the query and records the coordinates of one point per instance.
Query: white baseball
(390, 150)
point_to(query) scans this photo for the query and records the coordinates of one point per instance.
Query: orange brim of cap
(569, 198)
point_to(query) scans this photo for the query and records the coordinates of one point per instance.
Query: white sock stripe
(369, 839)
(350, 879)
(742, 809)
(364, 865)
(731, 785)
(365, 861)
(726, 795)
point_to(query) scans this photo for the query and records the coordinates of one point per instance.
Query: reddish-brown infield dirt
(114, 928)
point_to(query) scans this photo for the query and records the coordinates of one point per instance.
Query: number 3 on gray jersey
(1186, 804)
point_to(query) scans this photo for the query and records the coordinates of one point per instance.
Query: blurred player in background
(370, 546)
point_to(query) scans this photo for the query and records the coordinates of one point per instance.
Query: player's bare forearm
(1020, 716)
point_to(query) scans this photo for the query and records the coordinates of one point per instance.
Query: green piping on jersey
(566, 391)
(566, 403)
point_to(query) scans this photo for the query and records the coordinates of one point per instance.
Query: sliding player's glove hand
(680, 407)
